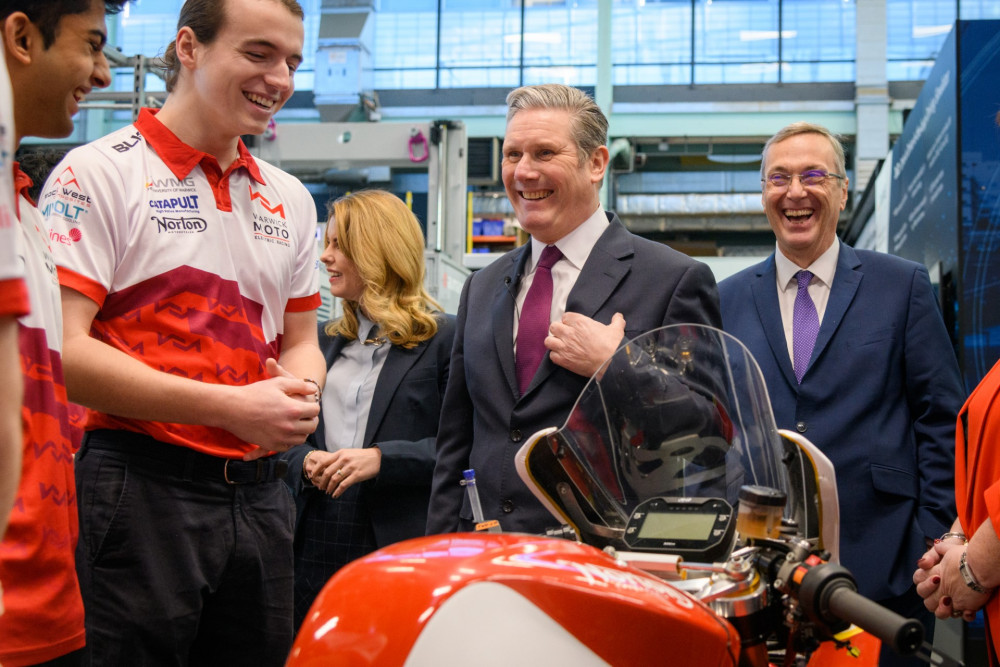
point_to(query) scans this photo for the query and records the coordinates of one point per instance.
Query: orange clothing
(977, 472)
(43, 617)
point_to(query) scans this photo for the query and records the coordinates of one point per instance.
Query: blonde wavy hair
(377, 232)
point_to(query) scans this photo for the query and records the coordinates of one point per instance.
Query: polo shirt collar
(181, 158)
(22, 183)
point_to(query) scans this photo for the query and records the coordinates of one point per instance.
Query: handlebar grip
(828, 593)
(904, 635)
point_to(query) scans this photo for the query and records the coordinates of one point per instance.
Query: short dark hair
(46, 14)
(205, 18)
(37, 163)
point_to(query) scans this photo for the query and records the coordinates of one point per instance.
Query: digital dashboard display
(677, 526)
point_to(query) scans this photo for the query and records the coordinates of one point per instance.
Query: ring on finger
(340, 471)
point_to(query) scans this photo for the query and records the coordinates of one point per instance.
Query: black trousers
(179, 566)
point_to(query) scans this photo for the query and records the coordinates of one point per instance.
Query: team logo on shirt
(181, 225)
(269, 226)
(277, 209)
(68, 200)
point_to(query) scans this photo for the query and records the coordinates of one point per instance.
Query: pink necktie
(805, 325)
(533, 325)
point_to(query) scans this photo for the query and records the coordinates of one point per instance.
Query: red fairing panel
(375, 610)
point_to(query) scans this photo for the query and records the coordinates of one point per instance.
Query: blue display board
(979, 235)
(924, 190)
(945, 186)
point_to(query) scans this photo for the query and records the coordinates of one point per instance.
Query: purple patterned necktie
(533, 325)
(805, 325)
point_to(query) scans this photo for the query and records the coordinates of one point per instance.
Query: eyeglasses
(811, 178)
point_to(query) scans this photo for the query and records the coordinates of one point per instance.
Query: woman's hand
(942, 586)
(335, 472)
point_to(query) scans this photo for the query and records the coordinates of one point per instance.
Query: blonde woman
(363, 479)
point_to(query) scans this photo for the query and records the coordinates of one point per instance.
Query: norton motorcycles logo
(179, 225)
(67, 198)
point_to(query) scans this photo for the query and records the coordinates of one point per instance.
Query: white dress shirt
(575, 247)
(350, 385)
(823, 270)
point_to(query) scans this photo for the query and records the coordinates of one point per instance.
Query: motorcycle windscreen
(680, 412)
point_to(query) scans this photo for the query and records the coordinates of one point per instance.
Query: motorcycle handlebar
(828, 593)
(904, 635)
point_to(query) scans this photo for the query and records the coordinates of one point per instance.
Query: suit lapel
(503, 315)
(398, 362)
(609, 262)
(765, 296)
(845, 287)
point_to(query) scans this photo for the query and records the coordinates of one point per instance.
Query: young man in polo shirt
(189, 293)
(13, 304)
(53, 52)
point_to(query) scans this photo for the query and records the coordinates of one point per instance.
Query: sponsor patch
(68, 200)
(74, 235)
(179, 225)
(187, 203)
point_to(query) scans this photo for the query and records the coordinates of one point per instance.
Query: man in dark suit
(877, 390)
(605, 285)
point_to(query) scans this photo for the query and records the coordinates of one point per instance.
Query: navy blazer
(879, 398)
(484, 420)
(403, 422)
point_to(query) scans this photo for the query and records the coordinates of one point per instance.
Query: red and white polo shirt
(193, 267)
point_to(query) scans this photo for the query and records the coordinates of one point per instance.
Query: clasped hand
(941, 585)
(276, 413)
(335, 472)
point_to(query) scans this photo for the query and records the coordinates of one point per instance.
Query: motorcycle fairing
(620, 615)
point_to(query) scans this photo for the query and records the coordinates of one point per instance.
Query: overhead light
(536, 37)
(922, 31)
(758, 35)
(733, 159)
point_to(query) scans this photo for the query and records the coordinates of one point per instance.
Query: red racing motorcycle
(687, 530)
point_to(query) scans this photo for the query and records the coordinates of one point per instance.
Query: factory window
(426, 44)
(146, 27)
(817, 40)
(652, 43)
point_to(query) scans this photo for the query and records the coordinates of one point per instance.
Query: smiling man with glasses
(857, 358)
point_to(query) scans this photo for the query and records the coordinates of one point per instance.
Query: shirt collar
(181, 158)
(364, 325)
(576, 245)
(824, 268)
(22, 183)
